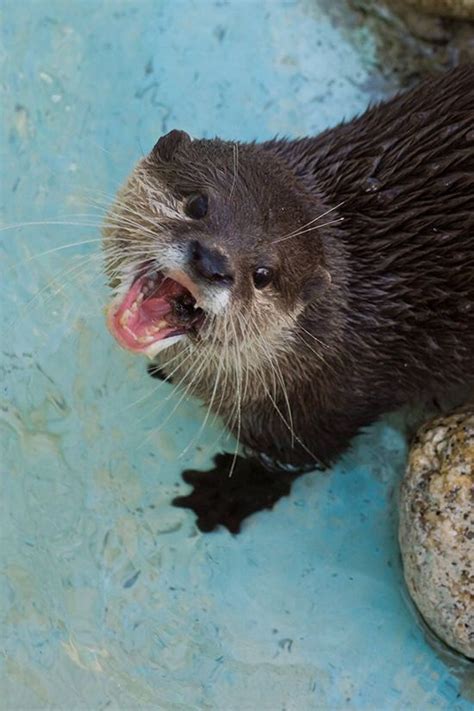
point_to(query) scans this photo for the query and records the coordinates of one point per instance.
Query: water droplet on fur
(433, 169)
(423, 116)
(372, 185)
(465, 306)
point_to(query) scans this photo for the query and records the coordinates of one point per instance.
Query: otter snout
(209, 263)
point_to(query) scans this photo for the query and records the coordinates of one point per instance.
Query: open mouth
(155, 308)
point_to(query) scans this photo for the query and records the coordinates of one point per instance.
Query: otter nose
(210, 263)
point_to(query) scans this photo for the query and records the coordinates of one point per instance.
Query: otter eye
(262, 277)
(196, 206)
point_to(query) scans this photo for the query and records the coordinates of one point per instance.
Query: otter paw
(220, 499)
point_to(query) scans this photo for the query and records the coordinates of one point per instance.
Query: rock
(437, 527)
(448, 8)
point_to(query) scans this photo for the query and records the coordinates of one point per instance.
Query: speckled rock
(450, 8)
(437, 527)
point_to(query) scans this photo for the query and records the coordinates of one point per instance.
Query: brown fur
(365, 314)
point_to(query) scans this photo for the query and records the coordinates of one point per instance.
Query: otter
(302, 288)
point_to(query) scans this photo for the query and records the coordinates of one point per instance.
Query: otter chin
(302, 288)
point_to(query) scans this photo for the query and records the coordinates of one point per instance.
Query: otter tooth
(125, 317)
(158, 327)
(147, 338)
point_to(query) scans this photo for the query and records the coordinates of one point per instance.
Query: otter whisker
(307, 224)
(133, 229)
(245, 328)
(225, 361)
(197, 368)
(26, 260)
(195, 439)
(318, 341)
(275, 370)
(283, 419)
(276, 365)
(75, 270)
(234, 369)
(46, 223)
(177, 357)
(239, 399)
(310, 229)
(63, 247)
(235, 156)
(177, 405)
(127, 214)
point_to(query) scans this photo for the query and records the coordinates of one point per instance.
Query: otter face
(198, 246)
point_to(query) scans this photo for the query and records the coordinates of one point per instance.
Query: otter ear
(317, 284)
(167, 145)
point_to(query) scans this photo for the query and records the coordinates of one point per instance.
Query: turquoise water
(111, 598)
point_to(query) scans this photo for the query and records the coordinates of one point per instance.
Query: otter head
(213, 245)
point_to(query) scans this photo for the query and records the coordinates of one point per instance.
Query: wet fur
(366, 314)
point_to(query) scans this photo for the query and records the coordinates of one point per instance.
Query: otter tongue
(140, 319)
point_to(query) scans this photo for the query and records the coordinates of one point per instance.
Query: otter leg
(220, 499)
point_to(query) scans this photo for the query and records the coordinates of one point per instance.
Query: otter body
(328, 279)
